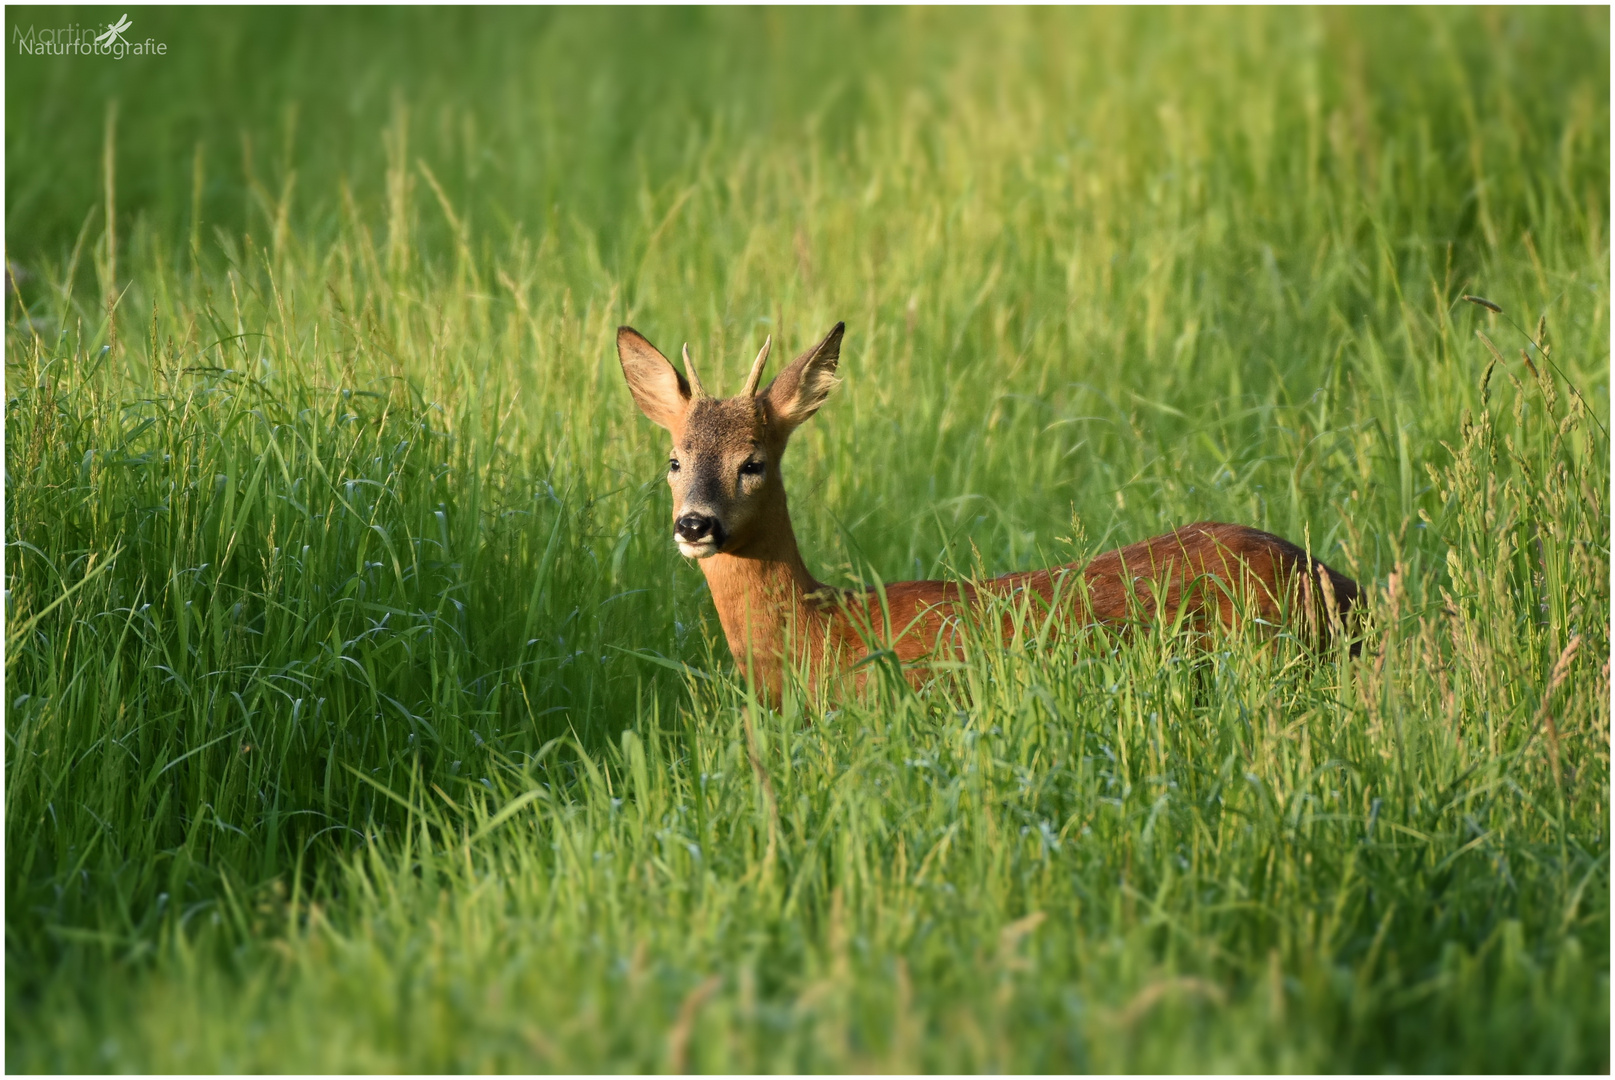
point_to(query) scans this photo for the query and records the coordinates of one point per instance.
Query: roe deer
(729, 512)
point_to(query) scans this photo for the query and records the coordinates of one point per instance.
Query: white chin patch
(703, 550)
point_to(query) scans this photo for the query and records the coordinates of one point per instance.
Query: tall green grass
(360, 716)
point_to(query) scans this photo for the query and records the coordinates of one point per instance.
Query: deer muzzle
(698, 535)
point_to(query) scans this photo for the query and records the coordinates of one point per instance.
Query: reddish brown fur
(773, 610)
(1205, 570)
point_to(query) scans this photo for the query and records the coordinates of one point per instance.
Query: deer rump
(1204, 573)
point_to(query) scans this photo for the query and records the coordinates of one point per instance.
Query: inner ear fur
(797, 392)
(661, 393)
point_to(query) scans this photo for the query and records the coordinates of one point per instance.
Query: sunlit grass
(361, 717)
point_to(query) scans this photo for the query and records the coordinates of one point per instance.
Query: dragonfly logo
(75, 40)
(114, 32)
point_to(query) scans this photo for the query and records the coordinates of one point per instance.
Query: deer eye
(754, 468)
(672, 464)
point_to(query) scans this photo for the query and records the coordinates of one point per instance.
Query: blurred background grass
(321, 453)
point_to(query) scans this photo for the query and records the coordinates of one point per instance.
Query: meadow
(360, 715)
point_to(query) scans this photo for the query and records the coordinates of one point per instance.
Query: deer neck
(763, 592)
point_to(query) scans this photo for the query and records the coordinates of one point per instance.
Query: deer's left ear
(661, 393)
(797, 392)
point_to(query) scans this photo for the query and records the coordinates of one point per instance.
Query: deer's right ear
(661, 393)
(797, 392)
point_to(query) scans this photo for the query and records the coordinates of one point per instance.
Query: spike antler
(756, 375)
(696, 389)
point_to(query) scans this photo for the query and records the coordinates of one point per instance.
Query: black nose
(693, 527)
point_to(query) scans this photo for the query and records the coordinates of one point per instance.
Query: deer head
(724, 464)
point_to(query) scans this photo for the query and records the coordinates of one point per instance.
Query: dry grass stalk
(1544, 718)
(678, 1039)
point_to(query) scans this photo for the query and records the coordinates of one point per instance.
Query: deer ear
(660, 392)
(797, 392)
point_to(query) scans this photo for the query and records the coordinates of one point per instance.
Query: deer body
(730, 512)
